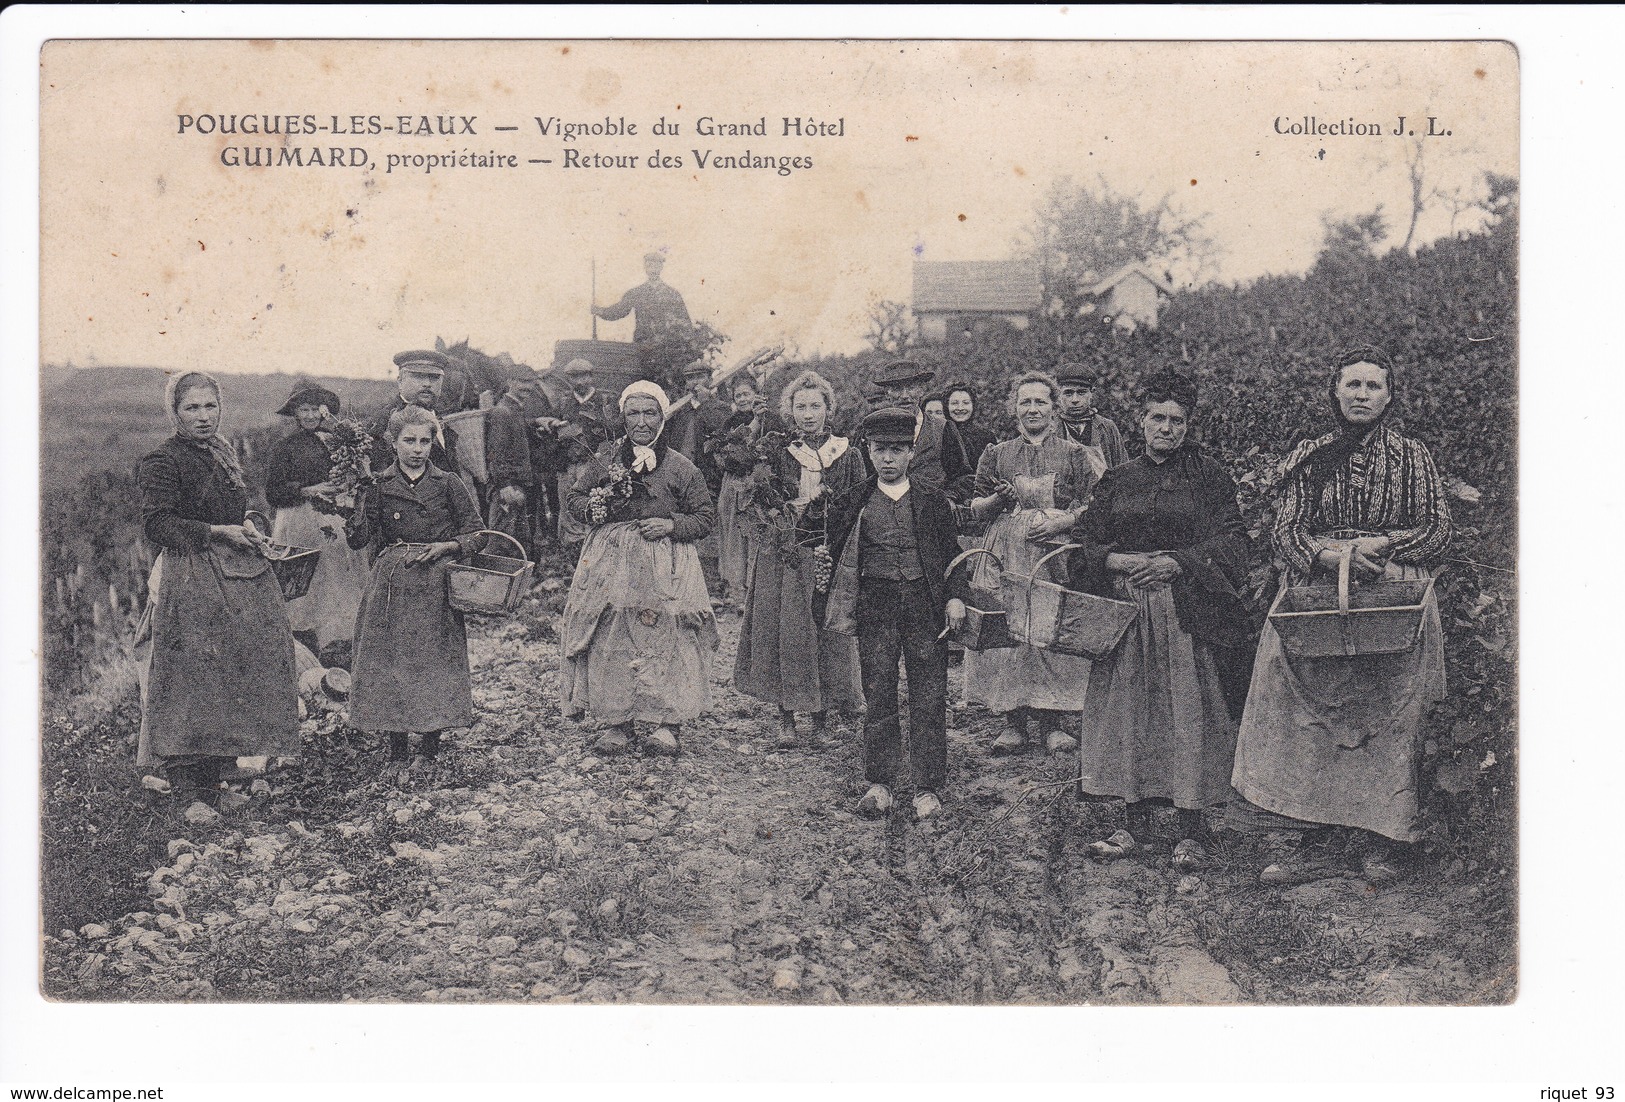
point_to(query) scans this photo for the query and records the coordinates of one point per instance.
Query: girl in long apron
(411, 651)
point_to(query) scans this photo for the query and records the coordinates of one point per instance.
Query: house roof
(967, 286)
(1140, 269)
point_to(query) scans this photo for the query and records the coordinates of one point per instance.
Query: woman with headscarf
(960, 401)
(309, 514)
(638, 633)
(1033, 488)
(786, 657)
(1165, 532)
(215, 646)
(1335, 740)
(411, 647)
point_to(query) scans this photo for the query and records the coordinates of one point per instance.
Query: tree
(891, 328)
(1081, 234)
(1350, 241)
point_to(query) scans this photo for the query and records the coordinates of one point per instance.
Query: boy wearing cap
(892, 540)
(1080, 422)
(419, 376)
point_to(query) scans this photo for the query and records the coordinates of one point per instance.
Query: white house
(1132, 296)
(954, 298)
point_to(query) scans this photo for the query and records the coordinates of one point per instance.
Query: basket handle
(504, 535)
(1064, 547)
(264, 524)
(963, 555)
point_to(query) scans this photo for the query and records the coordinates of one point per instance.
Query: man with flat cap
(937, 460)
(585, 418)
(662, 329)
(419, 375)
(689, 430)
(1080, 421)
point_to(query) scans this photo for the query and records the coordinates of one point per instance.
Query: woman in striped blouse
(1335, 740)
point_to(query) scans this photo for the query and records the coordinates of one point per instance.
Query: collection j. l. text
(764, 141)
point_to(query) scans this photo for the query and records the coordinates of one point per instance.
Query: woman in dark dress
(1165, 532)
(214, 642)
(786, 657)
(411, 651)
(310, 512)
(1335, 740)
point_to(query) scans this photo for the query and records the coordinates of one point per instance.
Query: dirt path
(736, 873)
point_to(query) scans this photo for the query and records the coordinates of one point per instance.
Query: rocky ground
(528, 869)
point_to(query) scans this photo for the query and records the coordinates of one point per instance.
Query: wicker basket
(1327, 622)
(984, 628)
(489, 583)
(1052, 617)
(469, 425)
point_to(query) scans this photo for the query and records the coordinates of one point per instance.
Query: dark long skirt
(218, 659)
(411, 652)
(785, 656)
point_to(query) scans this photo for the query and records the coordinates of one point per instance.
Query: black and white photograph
(888, 522)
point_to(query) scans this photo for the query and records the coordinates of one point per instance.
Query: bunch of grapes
(350, 445)
(823, 568)
(602, 500)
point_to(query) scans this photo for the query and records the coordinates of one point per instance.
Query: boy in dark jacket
(892, 542)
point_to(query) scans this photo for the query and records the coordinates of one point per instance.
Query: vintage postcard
(779, 522)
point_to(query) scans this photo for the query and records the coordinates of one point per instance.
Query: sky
(154, 252)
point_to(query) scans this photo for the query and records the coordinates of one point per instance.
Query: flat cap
(698, 367)
(904, 373)
(578, 366)
(1070, 372)
(656, 258)
(424, 361)
(890, 425)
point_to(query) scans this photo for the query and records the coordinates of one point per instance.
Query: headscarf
(218, 448)
(1323, 462)
(643, 455)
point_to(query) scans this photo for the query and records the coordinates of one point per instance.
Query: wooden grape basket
(1052, 617)
(294, 567)
(491, 584)
(984, 628)
(1327, 622)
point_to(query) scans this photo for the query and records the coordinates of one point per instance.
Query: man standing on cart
(662, 330)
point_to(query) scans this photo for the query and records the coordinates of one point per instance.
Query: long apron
(1155, 722)
(638, 634)
(733, 533)
(329, 606)
(1335, 740)
(1022, 676)
(410, 667)
(216, 657)
(786, 656)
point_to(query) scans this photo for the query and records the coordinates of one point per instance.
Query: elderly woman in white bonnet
(638, 633)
